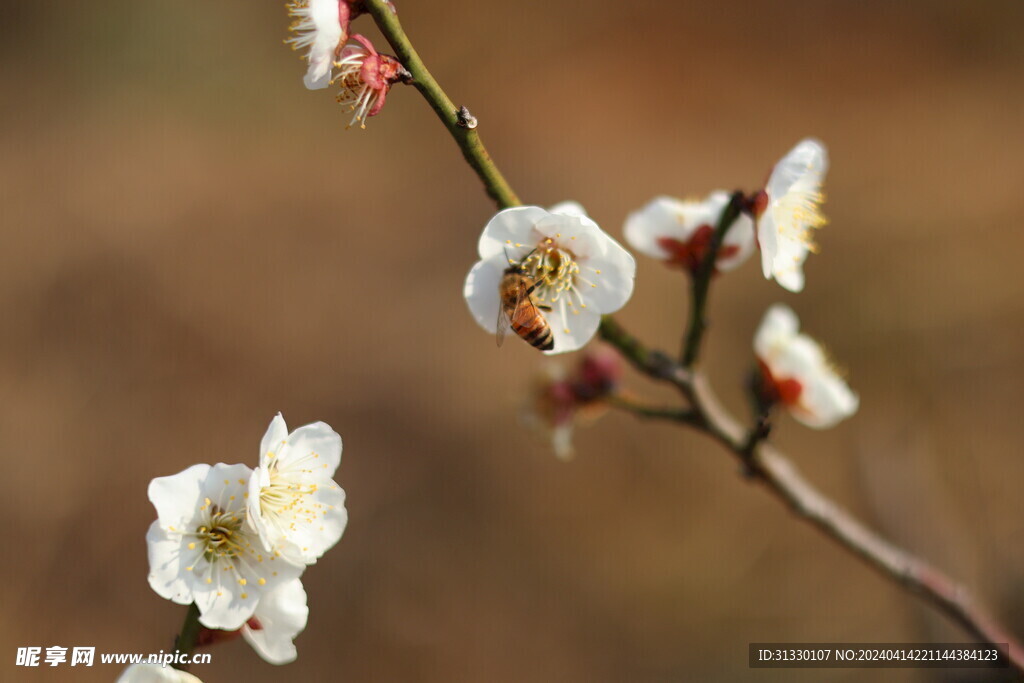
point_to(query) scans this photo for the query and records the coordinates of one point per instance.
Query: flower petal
(165, 566)
(268, 536)
(177, 496)
(808, 158)
(508, 228)
(226, 602)
(481, 291)
(575, 232)
(613, 271)
(317, 440)
(275, 436)
(569, 208)
(826, 402)
(309, 540)
(282, 615)
(661, 217)
(791, 277)
(328, 33)
(778, 327)
(582, 326)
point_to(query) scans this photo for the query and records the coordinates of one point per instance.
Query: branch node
(464, 119)
(661, 364)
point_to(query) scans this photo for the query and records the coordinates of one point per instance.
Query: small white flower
(680, 232)
(797, 373)
(580, 272)
(791, 213)
(202, 549)
(322, 27)
(293, 502)
(280, 616)
(154, 673)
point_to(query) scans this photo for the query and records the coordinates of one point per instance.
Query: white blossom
(792, 211)
(280, 616)
(580, 272)
(680, 232)
(203, 550)
(154, 673)
(293, 501)
(322, 27)
(798, 374)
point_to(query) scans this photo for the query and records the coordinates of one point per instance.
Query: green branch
(466, 137)
(644, 410)
(186, 640)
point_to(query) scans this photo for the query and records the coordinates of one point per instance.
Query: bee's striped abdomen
(536, 332)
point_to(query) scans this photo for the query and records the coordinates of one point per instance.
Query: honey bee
(520, 311)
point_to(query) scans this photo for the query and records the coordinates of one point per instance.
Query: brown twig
(767, 465)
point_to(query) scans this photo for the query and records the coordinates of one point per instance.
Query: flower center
(785, 390)
(221, 535)
(691, 254)
(356, 94)
(282, 496)
(797, 213)
(556, 273)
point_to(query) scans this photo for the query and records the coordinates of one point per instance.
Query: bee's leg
(545, 308)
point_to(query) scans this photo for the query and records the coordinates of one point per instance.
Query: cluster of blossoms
(235, 540)
(573, 273)
(321, 30)
(786, 212)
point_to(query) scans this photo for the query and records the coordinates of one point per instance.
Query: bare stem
(186, 640)
(761, 460)
(639, 409)
(468, 139)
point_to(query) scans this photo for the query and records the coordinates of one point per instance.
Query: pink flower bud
(365, 78)
(597, 375)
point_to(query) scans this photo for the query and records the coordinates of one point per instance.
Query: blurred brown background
(192, 242)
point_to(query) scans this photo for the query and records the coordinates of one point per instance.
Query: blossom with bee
(578, 271)
(679, 232)
(796, 373)
(293, 501)
(320, 28)
(789, 210)
(203, 549)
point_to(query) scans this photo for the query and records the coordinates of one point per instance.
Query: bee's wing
(504, 320)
